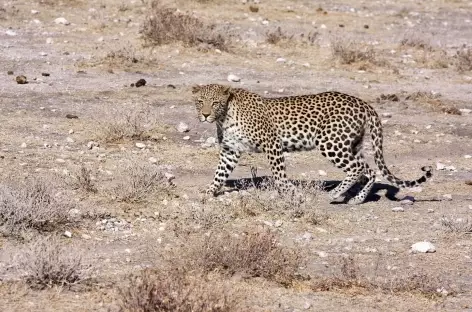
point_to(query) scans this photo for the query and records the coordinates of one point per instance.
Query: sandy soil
(87, 78)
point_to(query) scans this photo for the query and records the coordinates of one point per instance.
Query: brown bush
(166, 25)
(456, 225)
(463, 60)
(173, 291)
(138, 182)
(279, 36)
(32, 204)
(47, 263)
(351, 277)
(81, 179)
(348, 51)
(417, 41)
(253, 254)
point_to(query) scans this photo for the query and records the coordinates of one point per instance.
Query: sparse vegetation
(81, 179)
(433, 101)
(278, 36)
(348, 52)
(416, 40)
(253, 254)
(48, 263)
(138, 182)
(31, 204)
(457, 225)
(463, 60)
(173, 291)
(350, 277)
(133, 124)
(165, 25)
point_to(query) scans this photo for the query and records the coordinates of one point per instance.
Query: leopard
(332, 122)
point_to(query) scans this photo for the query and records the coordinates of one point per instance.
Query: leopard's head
(211, 101)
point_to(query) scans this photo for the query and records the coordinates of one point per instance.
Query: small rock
(322, 254)
(423, 247)
(68, 234)
(86, 236)
(61, 21)
(140, 145)
(10, 32)
(183, 127)
(467, 156)
(307, 236)
(43, 54)
(465, 111)
(71, 116)
(21, 79)
(34, 12)
(69, 140)
(398, 209)
(71, 131)
(388, 115)
(47, 145)
(407, 200)
(169, 176)
(23, 145)
(447, 196)
(170, 86)
(10, 73)
(60, 160)
(45, 74)
(140, 83)
(281, 60)
(152, 160)
(278, 223)
(186, 138)
(307, 305)
(233, 78)
(92, 144)
(321, 172)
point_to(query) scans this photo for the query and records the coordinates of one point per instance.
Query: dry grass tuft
(81, 179)
(349, 52)
(48, 263)
(166, 25)
(252, 254)
(173, 291)
(350, 277)
(138, 182)
(457, 225)
(463, 60)
(432, 100)
(32, 204)
(133, 124)
(416, 40)
(278, 36)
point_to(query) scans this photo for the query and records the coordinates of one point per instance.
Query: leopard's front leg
(228, 160)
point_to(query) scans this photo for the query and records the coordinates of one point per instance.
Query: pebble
(322, 254)
(278, 223)
(423, 247)
(21, 79)
(68, 234)
(467, 156)
(140, 145)
(92, 144)
(465, 111)
(23, 145)
(321, 172)
(70, 140)
(10, 32)
(211, 141)
(307, 305)
(169, 176)
(186, 138)
(60, 160)
(398, 209)
(388, 115)
(307, 236)
(281, 60)
(86, 236)
(233, 78)
(49, 41)
(61, 21)
(34, 12)
(407, 200)
(183, 127)
(447, 196)
(152, 160)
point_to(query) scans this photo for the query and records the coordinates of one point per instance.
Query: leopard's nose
(206, 114)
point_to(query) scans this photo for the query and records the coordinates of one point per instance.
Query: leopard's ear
(196, 89)
(226, 90)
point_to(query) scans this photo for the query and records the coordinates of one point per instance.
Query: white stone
(92, 144)
(49, 41)
(186, 138)
(62, 21)
(321, 172)
(23, 145)
(322, 254)
(68, 234)
(447, 196)
(387, 115)
(169, 176)
(440, 166)
(233, 78)
(281, 60)
(467, 156)
(140, 145)
(278, 223)
(423, 247)
(10, 32)
(398, 209)
(70, 140)
(43, 54)
(465, 111)
(34, 12)
(183, 127)
(307, 236)
(152, 160)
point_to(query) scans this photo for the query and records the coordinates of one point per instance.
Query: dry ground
(246, 251)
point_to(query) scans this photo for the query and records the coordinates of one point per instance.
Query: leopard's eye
(200, 102)
(215, 103)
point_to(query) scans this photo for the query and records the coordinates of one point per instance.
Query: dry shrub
(48, 263)
(81, 179)
(32, 204)
(350, 277)
(432, 100)
(278, 36)
(253, 254)
(166, 25)
(138, 182)
(463, 60)
(457, 225)
(173, 291)
(134, 124)
(416, 40)
(348, 51)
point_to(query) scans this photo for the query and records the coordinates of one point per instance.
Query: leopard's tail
(375, 129)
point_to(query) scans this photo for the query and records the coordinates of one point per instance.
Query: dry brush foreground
(100, 172)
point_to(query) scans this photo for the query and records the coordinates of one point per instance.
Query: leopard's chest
(235, 139)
